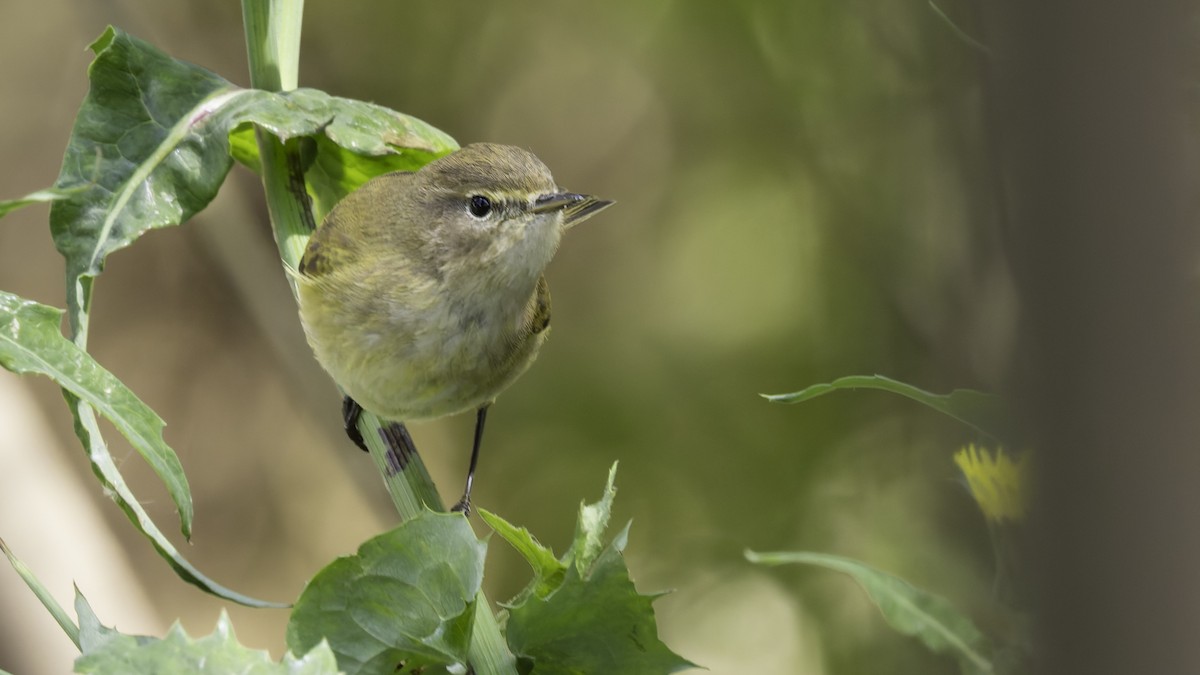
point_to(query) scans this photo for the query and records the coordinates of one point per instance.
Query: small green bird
(422, 293)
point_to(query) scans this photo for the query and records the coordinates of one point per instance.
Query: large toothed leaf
(405, 601)
(594, 622)
(910, 610)
(584, 615)
(106, 652)
(983, 411)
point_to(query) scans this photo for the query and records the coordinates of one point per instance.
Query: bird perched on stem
(422, 293)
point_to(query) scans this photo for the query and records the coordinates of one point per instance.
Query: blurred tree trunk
(1093, 114)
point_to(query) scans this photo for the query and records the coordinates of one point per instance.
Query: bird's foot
(350, 412)
(463, 506)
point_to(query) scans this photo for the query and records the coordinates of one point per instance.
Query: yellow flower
(997, 483)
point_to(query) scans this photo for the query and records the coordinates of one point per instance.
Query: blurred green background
(803, 193)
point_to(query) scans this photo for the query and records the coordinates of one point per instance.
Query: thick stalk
(273, 44)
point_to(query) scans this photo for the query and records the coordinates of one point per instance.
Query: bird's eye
(480, 206)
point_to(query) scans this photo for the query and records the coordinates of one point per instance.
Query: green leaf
(407, 597)
(595, 622)
(548, 571)
(589, 528)
(354, 141)
(47, 600)
(108, 652)
(909, 610)
(148, 150)
(114, 485)
(582, 614)
(30, 343)
(977, 409)
(39, 197)
(93, 635)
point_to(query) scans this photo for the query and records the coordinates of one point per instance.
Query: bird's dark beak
(576, 208)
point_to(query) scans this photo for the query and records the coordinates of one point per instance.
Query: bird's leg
(464, 504)
(350, 412)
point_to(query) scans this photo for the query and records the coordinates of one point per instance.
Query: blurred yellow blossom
(998, 483)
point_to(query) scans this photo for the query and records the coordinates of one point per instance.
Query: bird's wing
(317, 260)
(337, 238)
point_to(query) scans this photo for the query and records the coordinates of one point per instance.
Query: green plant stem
(290, 221)
(273, 43)
(488, 652)
(411, 488)
(48, 601)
